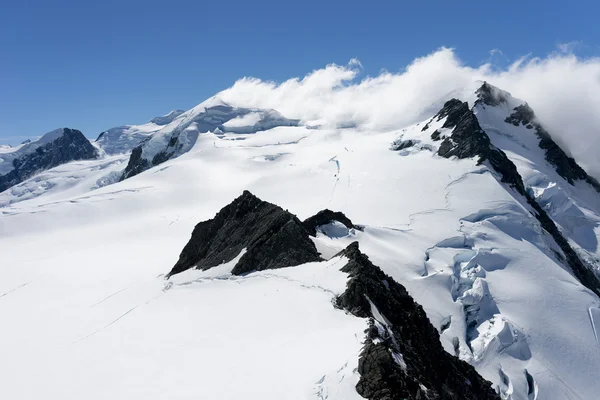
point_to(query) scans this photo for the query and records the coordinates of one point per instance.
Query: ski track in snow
(107, 297)
(337, 177)
(17, 288)
(259, 145)
(594, 313)
(108, 325)
(253, 275)
(100, 196)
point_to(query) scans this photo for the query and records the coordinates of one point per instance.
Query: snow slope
(180, 135)
(575, 205)
(88, 313)
(68, 180)
(55, 148)
(122, 139)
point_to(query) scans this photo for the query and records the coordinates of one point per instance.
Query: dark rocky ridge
(70, 146)
(275, 238)
(272, 237)
(489, 95)
(429, 372)
(136, 164)
(327, 216)
(400, 144)
(469, 140)
(565, 166)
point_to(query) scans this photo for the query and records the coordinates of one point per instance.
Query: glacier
(86, 248)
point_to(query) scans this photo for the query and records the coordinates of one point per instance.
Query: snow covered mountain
(122, 139)
(474, 212)
(54, 148)
(180, 135)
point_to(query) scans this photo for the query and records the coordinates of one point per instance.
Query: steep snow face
(167, 118)
(73, 179)
(464, 245)
(122, 139)
(561, 187)
(11, 153)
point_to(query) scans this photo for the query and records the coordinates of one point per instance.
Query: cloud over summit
(563, 89)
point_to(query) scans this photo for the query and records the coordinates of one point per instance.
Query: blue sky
(95, 65)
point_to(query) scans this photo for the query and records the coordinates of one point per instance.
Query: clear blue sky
(94, 65)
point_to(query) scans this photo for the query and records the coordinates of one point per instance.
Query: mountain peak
(491, 95)
(269, 236)
(52, 149)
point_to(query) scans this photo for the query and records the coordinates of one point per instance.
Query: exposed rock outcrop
(469, 140)
(53, 149)
(490, 95)
(272, 237)
(402, 357)
(327, 216)
(565, 166)
(402, 144)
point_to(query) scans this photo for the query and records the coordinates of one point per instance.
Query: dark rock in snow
(324, 217)
(565, 166)
(68, 146)
(272, 237)
(490, 95)
(402, 144)
(469, 140)
(136, 164)
(402, 357)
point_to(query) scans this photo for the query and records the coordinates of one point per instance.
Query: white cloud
(564, 91)
(568, 47)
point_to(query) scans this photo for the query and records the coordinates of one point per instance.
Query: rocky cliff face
(402, 356)
(327, 216)
(272, 237)
(56, 148)
(566, 166)
(469, 140)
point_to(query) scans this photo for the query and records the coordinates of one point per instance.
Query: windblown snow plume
(562, 88)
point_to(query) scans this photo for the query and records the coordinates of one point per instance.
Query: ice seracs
(123, 139)
(167, 118)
